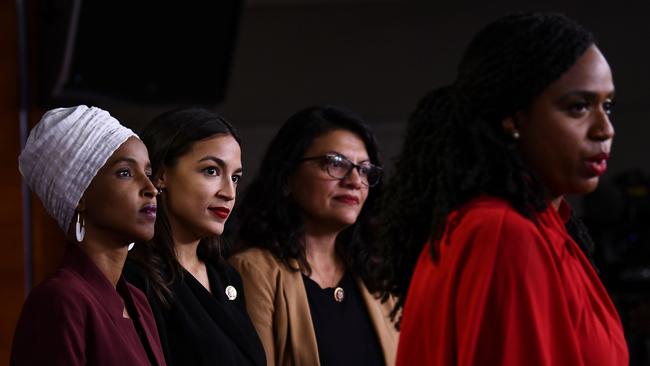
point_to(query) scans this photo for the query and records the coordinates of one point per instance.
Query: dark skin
(567, 127)
(113, 208)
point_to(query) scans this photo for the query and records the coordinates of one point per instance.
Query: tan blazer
(277, 303)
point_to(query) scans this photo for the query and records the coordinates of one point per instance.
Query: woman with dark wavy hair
(196, 296)
(476, 225)
(307, 252)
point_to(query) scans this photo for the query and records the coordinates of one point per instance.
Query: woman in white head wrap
(91, 173)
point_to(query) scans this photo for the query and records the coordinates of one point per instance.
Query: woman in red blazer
(496, 266)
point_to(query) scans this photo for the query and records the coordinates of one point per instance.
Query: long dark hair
(269, 219)
(168, 137)
(456, 148)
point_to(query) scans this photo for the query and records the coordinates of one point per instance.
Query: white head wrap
(64, 152)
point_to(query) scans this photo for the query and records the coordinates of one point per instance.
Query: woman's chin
(142, 237)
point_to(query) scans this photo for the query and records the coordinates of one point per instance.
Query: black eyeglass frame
(352, 166)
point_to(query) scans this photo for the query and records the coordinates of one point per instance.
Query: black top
(203, 328)
(344, 332)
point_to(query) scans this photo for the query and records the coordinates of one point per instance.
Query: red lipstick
(221, 212)
(347, 199)
(597, 164)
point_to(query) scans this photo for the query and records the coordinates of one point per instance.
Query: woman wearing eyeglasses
(307, 254)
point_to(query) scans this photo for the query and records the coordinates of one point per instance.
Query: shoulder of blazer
(262, 259)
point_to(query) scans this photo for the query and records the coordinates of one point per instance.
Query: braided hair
(455, 147)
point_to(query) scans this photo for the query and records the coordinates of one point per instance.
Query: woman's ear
(159, 182)
(511, 125)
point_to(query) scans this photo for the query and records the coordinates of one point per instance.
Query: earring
(79, 229)
(515, 135)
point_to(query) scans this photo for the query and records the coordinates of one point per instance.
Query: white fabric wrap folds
(64, 152)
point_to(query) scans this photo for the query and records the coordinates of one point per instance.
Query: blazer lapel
(301, 326)
(384, 327)
(227, 316)
(151, 339)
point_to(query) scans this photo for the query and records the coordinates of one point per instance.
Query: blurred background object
(618, 217)
(137, 51)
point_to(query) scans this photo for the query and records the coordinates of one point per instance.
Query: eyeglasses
(339, 167)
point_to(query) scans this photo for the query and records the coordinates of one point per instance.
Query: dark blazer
(203, 328)
(76, 317)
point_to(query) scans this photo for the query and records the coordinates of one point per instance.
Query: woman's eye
(212, 171)
(365, 169)
(124, 173)
(236, 179)
(335, 161)
(608, 106)
(578, 108)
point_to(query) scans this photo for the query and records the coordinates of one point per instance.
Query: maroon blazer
(75, 318)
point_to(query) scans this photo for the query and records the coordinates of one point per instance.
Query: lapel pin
(339, 294)
(231, 292)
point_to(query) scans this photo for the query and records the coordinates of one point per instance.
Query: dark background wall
(380, 57)
(377, 57)
(11, 269)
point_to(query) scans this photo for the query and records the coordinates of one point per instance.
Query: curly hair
(455, 147)
(268, 218)
(168, 137)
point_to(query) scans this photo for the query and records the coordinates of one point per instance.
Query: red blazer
(507, 290)
(75, 318)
